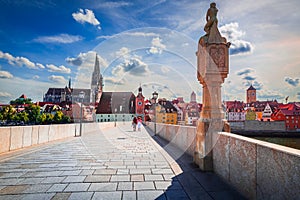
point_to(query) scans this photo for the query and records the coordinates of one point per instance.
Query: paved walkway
(115, 163)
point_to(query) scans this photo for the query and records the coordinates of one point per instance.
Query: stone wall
(183, 137)
(259, 170)
(255, 125)
(17, 137)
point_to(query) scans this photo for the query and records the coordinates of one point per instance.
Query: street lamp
(154, 96)
(81, 97)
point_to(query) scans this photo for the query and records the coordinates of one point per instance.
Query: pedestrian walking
(134, 123)
(139, 123)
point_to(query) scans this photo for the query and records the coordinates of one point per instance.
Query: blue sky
(44, 43)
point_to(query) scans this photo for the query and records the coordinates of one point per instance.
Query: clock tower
(140, 104)
(251, 94)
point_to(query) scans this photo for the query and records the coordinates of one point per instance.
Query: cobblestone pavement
(115, 163)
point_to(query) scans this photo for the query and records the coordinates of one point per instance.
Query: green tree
(49, 118)
(66, 119)
(9, 113)
(33, 112)
(21, 101)
(58, 117)
(41, 119)
(21, 117)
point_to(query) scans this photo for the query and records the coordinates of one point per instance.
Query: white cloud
(141, 34)
(5, 74)
(5, 94)
(133, 66)
(232, 33)
(134, 34)
(57, 79)
(106, 37)
(157, 46)
(87, 59)
(6, 56)
(39, 65)
(293, 82)
(86, 16)
(111, 4)
(123, 52)
(245, 71)
(270, 95)
(114, 81)
(60, 69)
(61, 38)
(20, 61)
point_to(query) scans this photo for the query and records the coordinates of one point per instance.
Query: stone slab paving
(114, 163)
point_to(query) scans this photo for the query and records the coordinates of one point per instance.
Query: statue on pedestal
(211, 28)
(211, 17)
(213, 68)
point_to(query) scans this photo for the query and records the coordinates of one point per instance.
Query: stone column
(213, 68)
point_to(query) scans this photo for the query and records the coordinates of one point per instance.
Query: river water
(285, 141)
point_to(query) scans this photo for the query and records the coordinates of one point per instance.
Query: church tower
(193, 97)
(140, 104)
(251, 94)
(96, 82)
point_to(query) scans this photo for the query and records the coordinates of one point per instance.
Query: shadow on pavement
(193, 183)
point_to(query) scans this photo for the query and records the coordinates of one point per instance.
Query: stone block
(242, 158)
(69, 130)
(55, 132)
(35, 135)
(27, 134)
(278, 173)
(191, 138)
(43, 134)
(221, 160)
(4, 139)
(178, 137)
(16, 139)
(77, 129)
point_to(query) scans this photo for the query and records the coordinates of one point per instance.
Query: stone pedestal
(213, 67)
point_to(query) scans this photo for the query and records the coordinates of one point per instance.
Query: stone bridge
(105, 163)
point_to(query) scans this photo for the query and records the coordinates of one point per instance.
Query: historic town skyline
(45, 43)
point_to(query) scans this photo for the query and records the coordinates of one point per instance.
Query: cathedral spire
(96, 82)
(69, 83)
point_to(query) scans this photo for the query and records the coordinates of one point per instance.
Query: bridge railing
(17, 137)
(258, 169)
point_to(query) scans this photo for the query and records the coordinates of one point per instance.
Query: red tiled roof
(23, 96)
(112, 102)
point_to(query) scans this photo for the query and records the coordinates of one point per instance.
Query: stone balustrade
(258, 169)
(17, 137)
